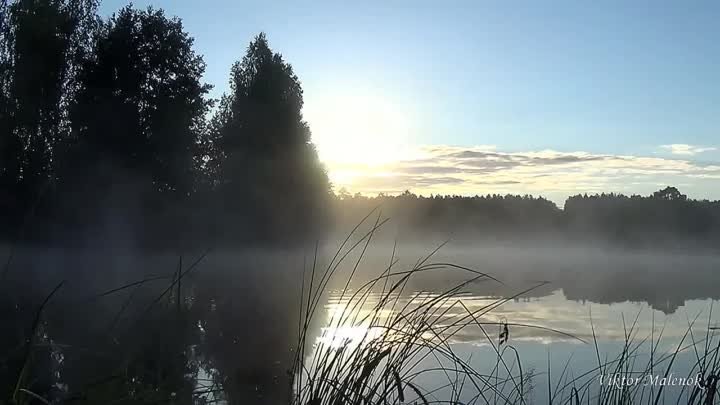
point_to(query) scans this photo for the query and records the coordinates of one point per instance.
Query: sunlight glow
(358, 128)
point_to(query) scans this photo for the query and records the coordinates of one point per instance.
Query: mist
(159, 244)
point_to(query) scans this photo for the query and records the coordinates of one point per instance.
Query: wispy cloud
(482, 170)
(687, 150)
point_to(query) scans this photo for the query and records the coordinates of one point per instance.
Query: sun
(358, 129)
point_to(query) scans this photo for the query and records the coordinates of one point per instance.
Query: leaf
(398, 385)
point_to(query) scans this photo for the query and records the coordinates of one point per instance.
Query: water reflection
(571, 343)
(552, 312)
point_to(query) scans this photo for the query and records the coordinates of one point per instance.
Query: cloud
(442, 169)
(685, 149)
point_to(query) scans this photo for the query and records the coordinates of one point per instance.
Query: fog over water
(248, 299)
(591, 303)
(270, 278)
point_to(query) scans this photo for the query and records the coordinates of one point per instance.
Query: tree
(269, 167)
(141, 108)
(670, 194)
(10, 147)
(142, 105)
(41, 44)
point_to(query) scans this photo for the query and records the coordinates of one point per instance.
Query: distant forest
(108, 136)
(665, 218)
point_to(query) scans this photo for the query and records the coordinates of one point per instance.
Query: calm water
(254, 300)
(551, 333)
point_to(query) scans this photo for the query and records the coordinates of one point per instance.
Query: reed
(406, 342)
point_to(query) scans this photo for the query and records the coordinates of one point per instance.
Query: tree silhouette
(269, 167)
(140, 112)
(41, 44)
(112, 114)
(666, 217)
(670, 193)
(142, 103)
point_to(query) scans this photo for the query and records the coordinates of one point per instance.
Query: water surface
(557, 339)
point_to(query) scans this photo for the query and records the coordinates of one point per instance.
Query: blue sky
(613, 78)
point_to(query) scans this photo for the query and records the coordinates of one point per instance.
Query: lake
(559, 341)
(240, 316)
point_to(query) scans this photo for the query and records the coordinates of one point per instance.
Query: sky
(547, 98)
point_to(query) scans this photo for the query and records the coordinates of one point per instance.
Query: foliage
(41, 45)
(665, 217)
(263, 159)
(107, 124)
(137, 121)
(142, 104)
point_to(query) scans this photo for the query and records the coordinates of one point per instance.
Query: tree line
(665, 217)
(108, 135)
(107, 131)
